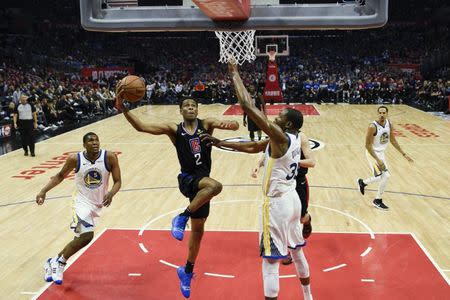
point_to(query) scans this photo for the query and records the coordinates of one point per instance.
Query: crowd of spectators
(323, 67)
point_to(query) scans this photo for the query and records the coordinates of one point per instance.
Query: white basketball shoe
(57, 271)
(48, 270)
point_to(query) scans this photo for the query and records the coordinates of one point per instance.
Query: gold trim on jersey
(265, 211)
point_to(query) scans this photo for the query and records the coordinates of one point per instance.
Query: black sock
(189, 267)
(186, 213)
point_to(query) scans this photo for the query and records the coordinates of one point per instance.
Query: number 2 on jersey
(197, 158)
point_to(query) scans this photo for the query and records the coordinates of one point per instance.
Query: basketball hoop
(272, 54)
(236, 46)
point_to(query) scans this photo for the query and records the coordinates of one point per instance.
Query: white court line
(369, 230)
(366, 252)
(143, 248)
(372, 236)
(334, 268)
(219, 275)
(430, 258)
(71, 262)
(209, 274)
(445, 270)
(134, 274)
(143, 228)
(28, 293)
(288, 276)
(367, 280)
(168, 264)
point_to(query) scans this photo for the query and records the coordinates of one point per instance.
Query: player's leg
(378, 202)
(271, 278)
(185, 273)
(84, 231)
(252, 135)
(295, 243)
(362, 183)
(200, 191)
(207, 189)
(302, 269)
(259, 135)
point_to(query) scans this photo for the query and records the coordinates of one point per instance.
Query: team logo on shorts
(93, 178)
(315, 144)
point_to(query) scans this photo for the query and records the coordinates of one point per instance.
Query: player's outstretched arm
(257, 116)
(68, 166)
(396, 145)
(309, 161)
(213, 123)
(152, 128)
(248, 147)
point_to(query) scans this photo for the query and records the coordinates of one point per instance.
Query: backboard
(266, 43)
(126, 15)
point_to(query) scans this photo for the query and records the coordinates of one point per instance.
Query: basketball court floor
(355, 252)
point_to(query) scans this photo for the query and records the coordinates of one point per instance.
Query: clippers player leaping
(194, 181)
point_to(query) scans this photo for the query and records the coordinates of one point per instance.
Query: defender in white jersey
(92, 169)
(281, 230)
(379, 134)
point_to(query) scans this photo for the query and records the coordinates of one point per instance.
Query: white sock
(307, 292)
(61, 259)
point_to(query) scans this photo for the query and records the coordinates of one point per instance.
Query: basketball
(133, 88)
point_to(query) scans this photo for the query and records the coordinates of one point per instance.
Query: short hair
(382, 106)
(85, 137)
(296, 117)
(187, 98)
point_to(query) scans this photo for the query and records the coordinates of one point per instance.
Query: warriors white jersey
(279, 173)
(92, 178)
(381, 138)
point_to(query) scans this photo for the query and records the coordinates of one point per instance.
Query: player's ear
(288, 125)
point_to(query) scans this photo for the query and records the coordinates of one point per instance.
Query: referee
(25, 119)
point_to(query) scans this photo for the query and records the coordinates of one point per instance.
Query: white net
(236, 46)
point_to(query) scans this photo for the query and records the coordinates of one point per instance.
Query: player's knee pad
(301, 264)
(271, 278)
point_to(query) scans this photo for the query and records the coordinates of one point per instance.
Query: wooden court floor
(418, 194)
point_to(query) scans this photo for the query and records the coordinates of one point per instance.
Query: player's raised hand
(118, 104)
